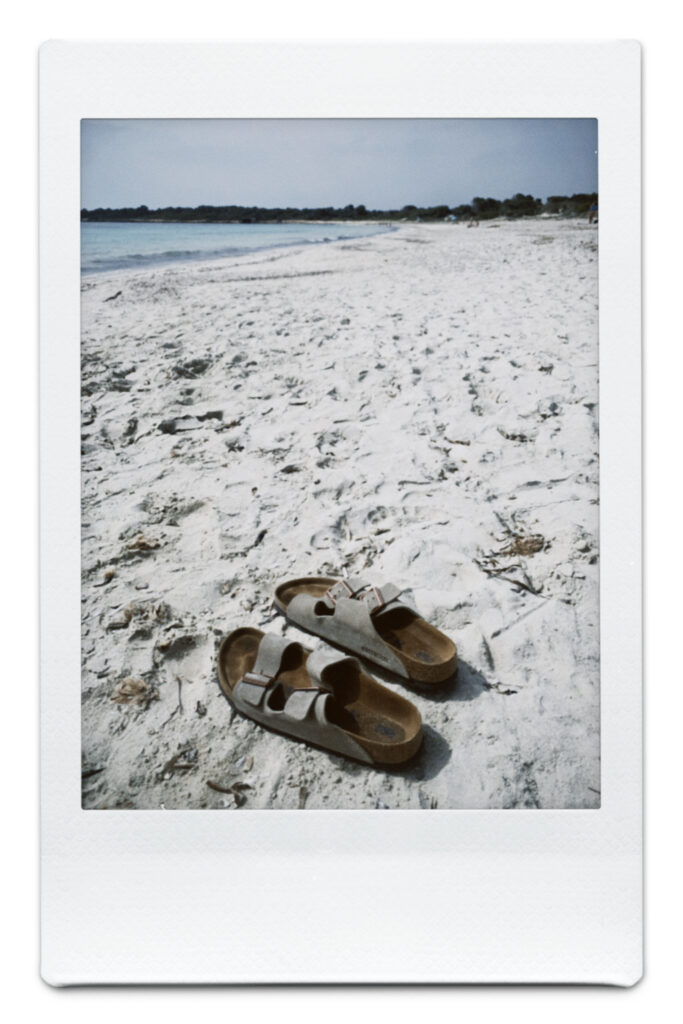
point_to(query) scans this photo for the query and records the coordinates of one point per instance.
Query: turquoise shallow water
(118, 246)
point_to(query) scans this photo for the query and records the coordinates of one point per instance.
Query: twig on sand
(498, 569)
(518, 583)
(218, 787)
(234, 789)
(497, 572)
(502, 522)
(525, 584)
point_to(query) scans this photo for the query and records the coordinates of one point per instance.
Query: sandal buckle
(257, 679)
(340, 589)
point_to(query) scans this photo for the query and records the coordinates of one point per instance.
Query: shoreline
(155, 262)
(258, 255)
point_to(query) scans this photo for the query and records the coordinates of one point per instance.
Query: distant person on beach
(593, 214)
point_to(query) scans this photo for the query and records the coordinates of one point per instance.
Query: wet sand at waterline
(417, 407)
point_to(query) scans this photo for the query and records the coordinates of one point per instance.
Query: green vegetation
(479, 209)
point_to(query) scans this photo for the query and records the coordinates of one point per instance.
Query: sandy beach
(417, 407)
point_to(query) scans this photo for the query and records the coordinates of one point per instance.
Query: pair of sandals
(325, 698)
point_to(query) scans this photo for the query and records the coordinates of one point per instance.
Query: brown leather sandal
(320, 697)
(370, 623)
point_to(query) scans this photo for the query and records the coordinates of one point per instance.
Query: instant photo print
(340, 474)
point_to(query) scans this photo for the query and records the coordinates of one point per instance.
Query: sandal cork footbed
(387, 726)
(428, 655)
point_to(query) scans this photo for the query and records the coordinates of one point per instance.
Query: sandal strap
(299, 704)
(301, 701)
(347, 588)
(271, 651)
(377, 598)
(323, 658)
(357, 589)
(307, 709)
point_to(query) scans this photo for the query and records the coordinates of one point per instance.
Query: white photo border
(342, 896)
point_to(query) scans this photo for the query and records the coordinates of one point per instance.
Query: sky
(381, 163)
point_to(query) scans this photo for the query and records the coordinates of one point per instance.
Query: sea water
(118, 246)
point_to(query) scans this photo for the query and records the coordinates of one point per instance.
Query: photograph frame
(534, 896)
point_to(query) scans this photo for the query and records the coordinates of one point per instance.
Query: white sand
(409, 407)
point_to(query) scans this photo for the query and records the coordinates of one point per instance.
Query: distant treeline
(479, 209)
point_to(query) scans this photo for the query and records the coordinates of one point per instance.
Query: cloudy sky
(383, 164)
